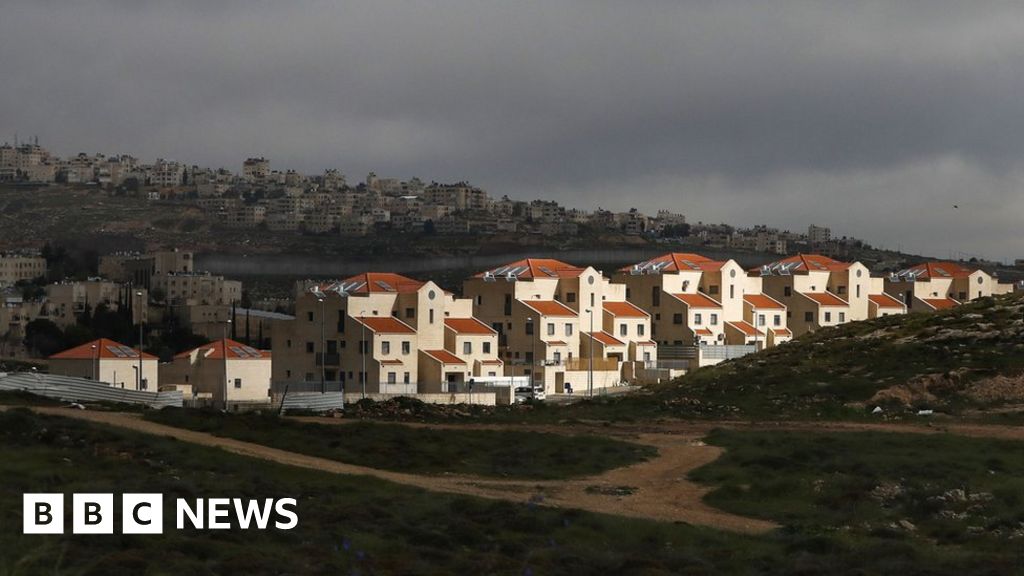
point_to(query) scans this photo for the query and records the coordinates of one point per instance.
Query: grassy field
(354, 525)
(950, 492)
(502, 454)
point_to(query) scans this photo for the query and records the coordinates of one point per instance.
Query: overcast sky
(874, 118)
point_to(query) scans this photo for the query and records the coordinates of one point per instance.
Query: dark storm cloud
(874, 118)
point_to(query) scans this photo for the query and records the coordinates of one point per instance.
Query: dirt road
(658, 489)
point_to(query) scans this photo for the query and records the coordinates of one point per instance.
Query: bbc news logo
(144, 514)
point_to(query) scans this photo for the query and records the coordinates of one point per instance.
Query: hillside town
(543, 325)
(260, 197)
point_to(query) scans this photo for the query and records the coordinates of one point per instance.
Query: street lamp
(533, 354)
(321, 297)
(590, 369)
(138, 386)
(224, 345)
(363, 345)
(95, 363)
(753, 310)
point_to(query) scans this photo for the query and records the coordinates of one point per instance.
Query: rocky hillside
(957, 362)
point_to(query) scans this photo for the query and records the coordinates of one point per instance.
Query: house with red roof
(108, 361)
(221, 369)
(384, 333)
(818, 291)
(689, 297)
(539, 307)
(932, 286)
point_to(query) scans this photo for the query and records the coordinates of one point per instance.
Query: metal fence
(84, 390)
(314, 402)
(726, 352)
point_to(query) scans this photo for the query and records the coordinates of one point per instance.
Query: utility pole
(224, 344)
(363, 346)
(141, 308)
(590, 369)
(321, 297)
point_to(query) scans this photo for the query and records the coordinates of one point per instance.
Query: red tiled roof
(555, 343)
(941, 303)
(803, 263)
(624, 310)
(444, 356)
(781, 331)
(746, 328)
(375, 282)
(761, 301)
(534, 268)
(698, 300)
(648, 343)
(885, 301)
(386, 325)
(675, 262)
(703, 332)
(605, 338)
(236, 351)
(929, 270)
(391, 362)
(549, 308)
(491, 362)
(468, 326)
(106, 349)
(826, 298)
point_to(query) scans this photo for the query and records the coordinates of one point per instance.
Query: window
(551, 328)
(568, 329)
(647, 356)
(392, 377)
(508, 304)
(467, 348)
(639, 329)
(332, 347)
(760, 319)
(487, 347)
(238, 383)
(431, 315)
(656, 295)
(406, 346)
(410, 312)
(341, 321)
(364, 346)
(732, 290)
(696, 319)
(309, 316)
(677, 318)
(309, 347)
(557, 357)
(385, 347)
(858, 289)
(479, 300)
(623, 329)
(787, 291)
(842, 316)
(777, 321)
(714, 319)
(529, 328)
(808, 316)
(591, 299)
(405, 378)
(828, 316)
(570, 297)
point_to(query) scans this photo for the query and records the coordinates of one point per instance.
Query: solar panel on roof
(238, 351)
(116, 351)
(499, 271)
(546, 270)
(252, 352)
(385, 286)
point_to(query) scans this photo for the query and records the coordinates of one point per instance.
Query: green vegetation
(952, 492)
(20, 398)
(504, 454)
(355, 525)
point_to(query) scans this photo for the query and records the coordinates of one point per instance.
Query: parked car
(524, 393)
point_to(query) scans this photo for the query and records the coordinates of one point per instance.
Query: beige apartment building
(549, 315)
(819, 291)
(934, 286)
(222, 365)
(393, 334)
(197, 288)
(16, 267)
(65, 301)
(139, 269)
(690, 297)
(110, 362)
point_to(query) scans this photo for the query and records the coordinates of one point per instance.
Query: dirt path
(659, 488)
